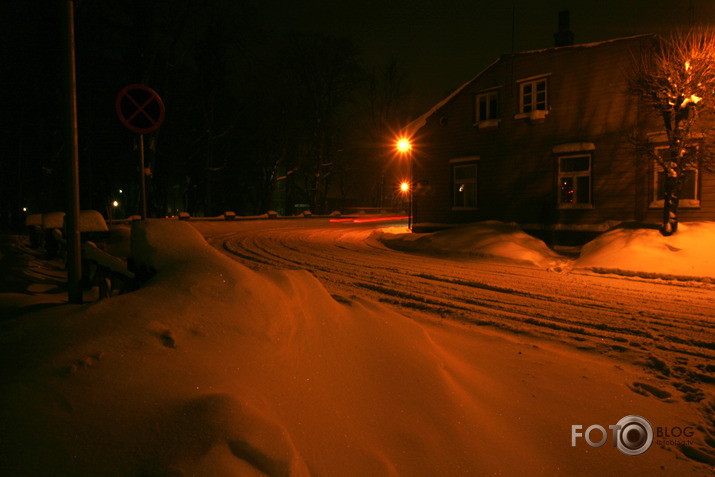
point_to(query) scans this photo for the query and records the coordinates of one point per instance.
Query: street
(666, 325)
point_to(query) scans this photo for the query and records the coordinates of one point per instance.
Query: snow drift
(634, 249)
(490, 239)
(216, 370)
(213, 369)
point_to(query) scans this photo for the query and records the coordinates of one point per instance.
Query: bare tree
(388, 93)
(323, 73)
(675, 78)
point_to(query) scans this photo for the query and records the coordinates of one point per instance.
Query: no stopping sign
(140, 108)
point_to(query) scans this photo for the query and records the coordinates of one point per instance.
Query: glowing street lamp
(404, 146)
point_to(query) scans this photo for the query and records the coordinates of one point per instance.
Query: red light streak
(363, 220)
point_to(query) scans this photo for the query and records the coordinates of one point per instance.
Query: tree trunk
(670, 207)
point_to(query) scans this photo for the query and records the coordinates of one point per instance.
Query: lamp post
(405, 147)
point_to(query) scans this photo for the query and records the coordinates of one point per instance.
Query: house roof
(413, 127)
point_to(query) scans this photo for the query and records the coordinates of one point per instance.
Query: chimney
(564, 37)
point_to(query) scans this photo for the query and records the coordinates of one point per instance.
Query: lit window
(688, 189)
(465, 185)
(532, 96)
(487, 106)
(574, 186)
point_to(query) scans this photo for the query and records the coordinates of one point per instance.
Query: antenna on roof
(513, 25)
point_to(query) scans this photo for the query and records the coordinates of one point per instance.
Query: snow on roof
(412, 128)
(573, 147)
(53, 220)
(584, 45)
(91, 221)
(33, 219)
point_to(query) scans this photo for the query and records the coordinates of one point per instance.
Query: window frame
(491, 116)
(464, 162)
(574, 175)
(655, 203)
(533, 104)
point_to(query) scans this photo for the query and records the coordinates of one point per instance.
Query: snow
(53, 220)
(486, 239)
(91, 221)
(628, 249)
(213, 368)
(33, 219)
(412, 129)
(573, 147)
(88, 221)
(688, 254)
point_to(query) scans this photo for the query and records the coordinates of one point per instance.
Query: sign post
(141, 110)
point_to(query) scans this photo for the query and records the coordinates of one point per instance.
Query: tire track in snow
(609, 314)
(665, 327)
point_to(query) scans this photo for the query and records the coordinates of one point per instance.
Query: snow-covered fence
(105, 271)
(52, 223)
(99, 268)
(33, 225)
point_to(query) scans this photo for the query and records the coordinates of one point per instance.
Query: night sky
(445, 43)
(440, 45)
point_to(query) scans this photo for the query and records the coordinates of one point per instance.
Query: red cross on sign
(140, 108)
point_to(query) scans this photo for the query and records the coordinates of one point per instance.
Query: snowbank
(485, 239)
(216, 370)
(634, 250)
(630, 249)
(213, 369)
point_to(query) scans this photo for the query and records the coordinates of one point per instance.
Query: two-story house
(543, 138)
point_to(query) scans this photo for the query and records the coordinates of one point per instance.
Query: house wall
(706, 210)
(517, 169)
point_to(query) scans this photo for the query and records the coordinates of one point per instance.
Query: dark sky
(444, 43)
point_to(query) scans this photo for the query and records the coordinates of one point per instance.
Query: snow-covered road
(213, 369)
(668, 325)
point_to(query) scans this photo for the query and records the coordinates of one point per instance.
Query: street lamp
(404, 146)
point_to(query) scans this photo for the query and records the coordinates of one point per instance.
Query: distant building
(542, 138)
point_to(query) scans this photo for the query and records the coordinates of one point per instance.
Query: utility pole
(74, 265)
